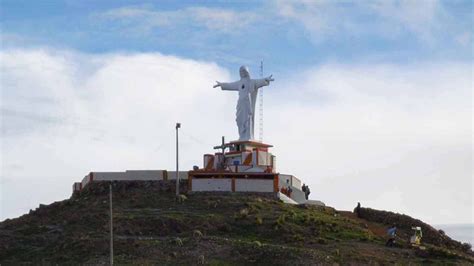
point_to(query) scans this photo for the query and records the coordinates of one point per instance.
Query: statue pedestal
(244, 166)
(241, 166)
(242, 156)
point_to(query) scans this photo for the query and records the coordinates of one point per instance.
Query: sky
(371, 103)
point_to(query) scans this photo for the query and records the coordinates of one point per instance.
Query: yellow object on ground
(416, 238)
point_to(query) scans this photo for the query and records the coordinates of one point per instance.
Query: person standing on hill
(391, 236)
(307, 192)
(289, 189)
(357, 210)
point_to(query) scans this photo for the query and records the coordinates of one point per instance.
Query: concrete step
(286, 199)
(315, 202)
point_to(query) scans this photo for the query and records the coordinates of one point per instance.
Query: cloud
(381, 131)
(67, 113)
(213, 19)
(328, 20)
(222, 19)
(322, 21)
(464, 39)
(417, 17)
(380, 134)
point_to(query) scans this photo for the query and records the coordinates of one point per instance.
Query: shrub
(181, 198)
(298, 238)
(244, 212)
(197, 234)
(281, 220)
(322, 241)
(201, 260)
(178, 242)
(293, 214)
(224, 228)
(466, 247)
(432, 251)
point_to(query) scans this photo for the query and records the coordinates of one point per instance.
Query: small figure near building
(287, 190)
(357, 210)
(306, 191)
(391, 232)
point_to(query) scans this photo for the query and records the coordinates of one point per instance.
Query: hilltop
(151, 227)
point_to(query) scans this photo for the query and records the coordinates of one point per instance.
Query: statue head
(244, 72)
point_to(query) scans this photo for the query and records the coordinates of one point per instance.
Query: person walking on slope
(391, 236)
(357, 210)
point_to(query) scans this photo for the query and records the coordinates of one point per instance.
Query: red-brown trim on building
(253, 143)
(275, 183)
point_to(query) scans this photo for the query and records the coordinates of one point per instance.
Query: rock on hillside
(152, 227)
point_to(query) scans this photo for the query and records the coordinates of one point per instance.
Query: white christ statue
(248, 89)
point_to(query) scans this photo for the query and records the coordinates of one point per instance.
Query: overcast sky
(372, 100)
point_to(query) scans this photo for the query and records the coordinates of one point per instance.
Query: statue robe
(245, 115)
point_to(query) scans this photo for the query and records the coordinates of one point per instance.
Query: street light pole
(111, 227)
(178, 125)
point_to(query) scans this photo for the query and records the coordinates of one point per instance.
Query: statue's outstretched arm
(232, 86)
(264, 82)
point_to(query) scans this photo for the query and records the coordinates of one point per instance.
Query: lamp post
(178, 125)
(111, 227)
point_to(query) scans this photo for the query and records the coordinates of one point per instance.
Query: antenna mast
(260, 106)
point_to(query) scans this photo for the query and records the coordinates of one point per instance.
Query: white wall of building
(264, 158)
(183, 175)
(232, 160)
(85, 180)
(297, 195)
(110, 176)
(282, 180)
(211, 184)
(76, 187)
(293, 181)
(273, 161)
(253, 185)
(296, 182)
(145, 174)
(133, 175)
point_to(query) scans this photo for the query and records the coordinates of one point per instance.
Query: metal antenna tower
(260, 107)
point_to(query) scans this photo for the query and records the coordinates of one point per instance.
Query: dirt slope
(151, 227)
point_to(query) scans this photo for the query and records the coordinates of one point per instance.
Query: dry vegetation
(153, 227)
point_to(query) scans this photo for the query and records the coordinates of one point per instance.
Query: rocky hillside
(151, 227)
